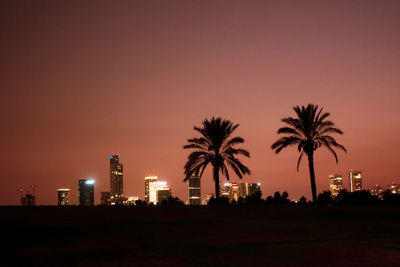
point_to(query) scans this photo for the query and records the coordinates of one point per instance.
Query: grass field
(201, 236)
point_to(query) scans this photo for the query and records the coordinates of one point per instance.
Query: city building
(335, 184)
(27, 199)
(63, 196)
(231, 191)
(153, 188)
(207, 198)
(163, 193)
(86, 192)
(131, 200)
(147, 181)
(116, 180)
(248, 189)
(194, 190)
(355, 181)
(394, 188)
(105, 198)
(377, 191)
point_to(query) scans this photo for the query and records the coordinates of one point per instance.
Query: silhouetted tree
(389, 198)
(325, 198)
(171, 201)
(140, 202)
(215, 147)
(303, 200)
(308, 131)
(278, 198)
(220, 201)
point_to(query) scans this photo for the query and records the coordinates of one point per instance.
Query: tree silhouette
(308, 131)
(215, 147)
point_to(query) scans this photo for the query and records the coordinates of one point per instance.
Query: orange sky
(85, 79)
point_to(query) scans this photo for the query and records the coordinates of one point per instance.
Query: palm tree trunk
(216, 180)
(312, 177)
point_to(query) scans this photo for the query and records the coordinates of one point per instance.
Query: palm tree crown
(215, 147)
(309, 131)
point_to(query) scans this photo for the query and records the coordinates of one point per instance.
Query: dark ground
(200, 236)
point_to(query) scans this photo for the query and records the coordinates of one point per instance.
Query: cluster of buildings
(355, 184)
(155, 190)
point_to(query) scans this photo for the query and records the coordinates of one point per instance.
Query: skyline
(82, 81)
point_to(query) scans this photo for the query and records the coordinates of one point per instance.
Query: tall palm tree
(215, 147)
(309, 131)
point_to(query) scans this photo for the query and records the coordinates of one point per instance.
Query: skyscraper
(105, 198)
(231, 191)
(86, 192)
(248, 189)
(153, 190)
(194, 190)
(163, 193)
(355, 181)
(116, 180)
(63, 196)
(377, 191)
(335, 184)
(147, 181)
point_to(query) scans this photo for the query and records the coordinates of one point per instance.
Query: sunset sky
(84, 79)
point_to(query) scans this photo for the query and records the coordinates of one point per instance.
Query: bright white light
(91, 181)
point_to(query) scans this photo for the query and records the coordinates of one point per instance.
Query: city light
(91, 181)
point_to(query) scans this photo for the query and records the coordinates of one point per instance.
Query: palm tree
(215, 147)
(309, 131)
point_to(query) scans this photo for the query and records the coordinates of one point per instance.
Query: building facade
(355, 181)
(335, 184)
(147, 181)
(86, 192)
(153, 190)
(163, 193)
(194, 190)
(63, 197)
(105, 198)
(377, 191)
(248, 189)
(116, 180)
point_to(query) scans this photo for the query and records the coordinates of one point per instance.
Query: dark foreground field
(272, 235)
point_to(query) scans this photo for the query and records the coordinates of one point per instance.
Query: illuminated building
(231, 191)
(355, 181)
(116, 180)
(131, 200)
(335, 184)
(86, 192)
(153, 188)
(377, 191)
(63, 196)
(147, 181)
(28, 200)
(394, 188)
(248, 189)
(163, 193)
(207, 198)
(194, 190)
(105, 198)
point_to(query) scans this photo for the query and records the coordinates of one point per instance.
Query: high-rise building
(105, 198)
(153, 188)
(116, 180)
(394, 188)
(377, 191)
(231, 191)
(163, 194)
(355, 181)
(86, 192)
(147, 181)
(194, 190)
(248, 189)
(63, 196)
(335, 184)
